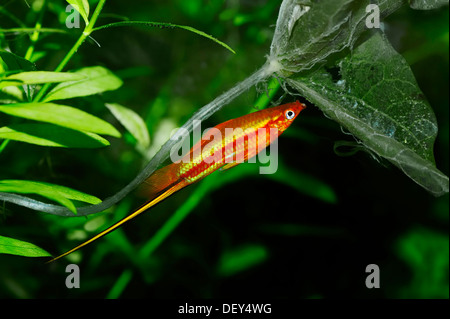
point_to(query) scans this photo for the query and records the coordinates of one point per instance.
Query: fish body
(223, 146)
(233, 142)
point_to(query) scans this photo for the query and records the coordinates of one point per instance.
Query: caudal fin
(160, 181)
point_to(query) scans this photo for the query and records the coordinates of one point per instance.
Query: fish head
(284, 115)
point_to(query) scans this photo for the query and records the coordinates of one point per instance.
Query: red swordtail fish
(250, 134)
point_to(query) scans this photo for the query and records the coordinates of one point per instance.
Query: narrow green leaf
(15, 62)
(21, 248)
(11, 94)
(51, 135)
(42, 187)
(32, 30)
(132, 122)
(3, 145)
(37, 77)
(82, 6)
(304, 184)
(163, 25)
(302, 230)
(120, 285)
(95, 80)
(57, 193)
(3, 67)
(61, 115)
(241, 259)
(425, 253)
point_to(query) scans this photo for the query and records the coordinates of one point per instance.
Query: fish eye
(289, 114)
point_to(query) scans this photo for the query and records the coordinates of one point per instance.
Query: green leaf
(240, 259)
(57, 193)
(21, 248)
(132, 122)
(308, 32)
(120, 285)
(425, 253)
(82, 6)
(378, 100)
(51, 135)
(32, 30)
(95, 80)
(15, 62)
(427, 4)
(162, 25)
(11, 94)
(39, 77)
(61, 115)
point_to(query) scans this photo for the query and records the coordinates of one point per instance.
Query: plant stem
(35, 36)
(86, 33)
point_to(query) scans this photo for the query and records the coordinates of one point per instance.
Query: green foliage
(238, 260)
(94, 80)
(372, 89)
(17, 247)
(120, 285)
(427, 254)
(82, 6)
(62, 115)
(51, 135)
(37, 77)
(63, 195)
(13, 63)
(307, 231)
(67, 127)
